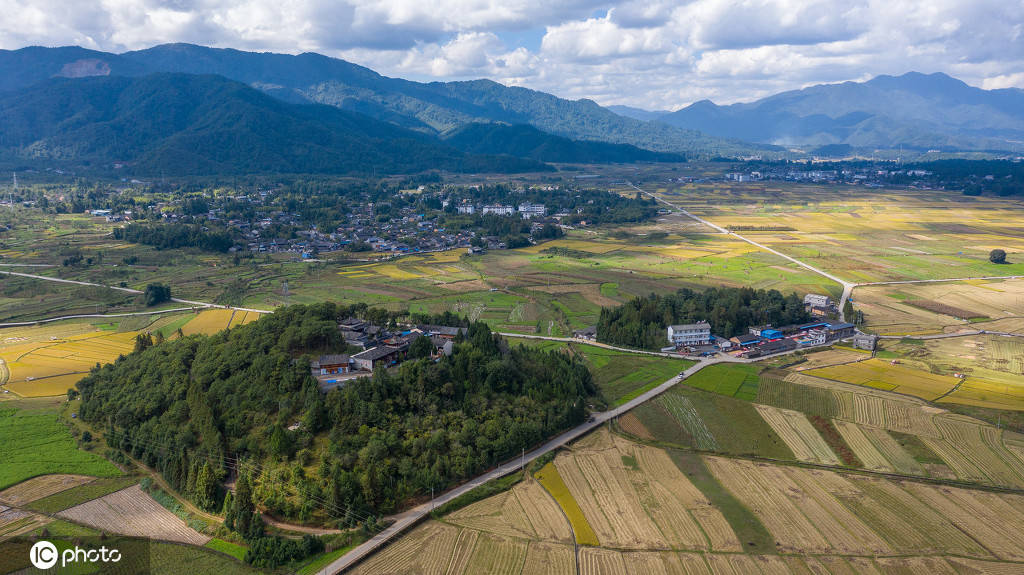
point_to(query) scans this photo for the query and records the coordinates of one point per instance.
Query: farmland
(880, 374)
(131, 511)
(33, 442)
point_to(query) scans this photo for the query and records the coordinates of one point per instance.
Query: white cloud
(650, 53)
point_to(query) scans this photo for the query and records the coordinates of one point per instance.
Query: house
(777, 346)
(813, 337)
(745, 340)
(770, 334)
(444, 331)
(813, 300)
(466, 209)
(690, 334)
(840, 330)
(865, 341)
(818, 311)
(499, 210)
(722, 343)
(587, 333)
(528, 210)
(382, 354)
(331, 364)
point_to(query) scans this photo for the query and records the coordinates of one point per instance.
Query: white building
(814, 337)
(532, 210)
(690, 334)
(817, 300)
(499, 210)
(466, 209)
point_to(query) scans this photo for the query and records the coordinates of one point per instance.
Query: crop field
(525, 511)
(798, 433)
(551, 479)
(623, 376)
(893, 309)
(881, 374)
(864, 446)
(830, 357)
(691, 418)
(635, 497)
(132, 512)
(731, 379)
(14, 522)
(39, 487)
(866, 235)
(33, 443)
(208, 321)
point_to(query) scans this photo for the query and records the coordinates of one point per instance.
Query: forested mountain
(201, 124)
(186, 404)
(913, 110)
(638, 113)
(642, 322)
(434, 107)
(529, 142)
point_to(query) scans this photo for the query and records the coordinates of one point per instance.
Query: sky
(648, 54)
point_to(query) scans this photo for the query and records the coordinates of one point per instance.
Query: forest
(191, 406)
(641, 322)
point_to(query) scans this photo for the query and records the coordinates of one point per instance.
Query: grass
(233, 549)
(735, 425)
(81, 494)
(62, 528)
(733, 379)
(492, 487)
(752, 534)
(552, 481)
(622, 377)
(322, 560)
(33, 442)
(171, 559)
(916, 448)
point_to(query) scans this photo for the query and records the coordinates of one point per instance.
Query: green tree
(997, 256)
(421, 347)
(157, 293)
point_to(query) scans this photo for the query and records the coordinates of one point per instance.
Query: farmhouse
(865, 341)
(380, 355)
(331, 364)
(745, 339)
(587, 333)
(690, 334)
(813, 337)
(443, 331)
(817, 300)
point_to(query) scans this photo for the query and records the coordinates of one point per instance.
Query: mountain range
(433, 108)
(918, 111)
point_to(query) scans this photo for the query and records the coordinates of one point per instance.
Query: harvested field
(14, 522)
(830, 357)
(898, 457)
(863, 446)
(601, 562)
(799, 435)
(40, 487)
(546, 519)
(501, 514)
(496, 554)
(633, 426)
(976, 452)
(547, 558)
(426, 549)
(945, 309)
(132, 512)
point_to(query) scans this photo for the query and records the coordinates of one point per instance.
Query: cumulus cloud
(649, 53)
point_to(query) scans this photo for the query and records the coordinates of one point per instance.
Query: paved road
(847, 286)
(935, 281)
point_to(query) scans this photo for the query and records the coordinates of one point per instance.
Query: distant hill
(529, 142)
(913, 110)
(434, 107)
(638, 113)
(202, 124)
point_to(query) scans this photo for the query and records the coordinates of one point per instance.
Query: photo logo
(43, 555)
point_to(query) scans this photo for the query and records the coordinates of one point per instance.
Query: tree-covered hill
(641, 322)
(188, 124)
(434, 107)
(186, 406)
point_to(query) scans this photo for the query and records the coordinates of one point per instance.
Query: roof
(334, 359)
(587, 330)
(747, 337)
(448, 330)
(838, 326)
(375, 353)
(684, 326)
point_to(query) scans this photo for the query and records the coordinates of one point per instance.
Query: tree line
(642, 322)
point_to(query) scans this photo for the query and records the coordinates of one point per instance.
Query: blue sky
(651, 54)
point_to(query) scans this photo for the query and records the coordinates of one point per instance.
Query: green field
(81, 494)
(732, 379)
(233, 549)
(622, 376)
(33, 442)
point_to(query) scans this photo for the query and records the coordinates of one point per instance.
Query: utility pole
(522, 462)
(10, 194)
